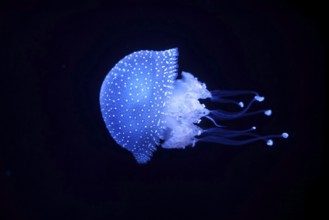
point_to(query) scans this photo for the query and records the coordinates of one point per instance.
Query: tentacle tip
(269, 142)
(253, 128)
(285, 135)
(259, 98)
(268, 112)
(241, 104)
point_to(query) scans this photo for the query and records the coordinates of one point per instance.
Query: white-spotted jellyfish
(144, 106)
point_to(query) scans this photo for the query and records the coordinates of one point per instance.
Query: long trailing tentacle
(221, 134)
(224, 138)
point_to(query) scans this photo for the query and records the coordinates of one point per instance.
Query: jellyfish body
(143, 104)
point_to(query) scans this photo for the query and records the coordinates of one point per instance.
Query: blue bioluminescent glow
(142, 103)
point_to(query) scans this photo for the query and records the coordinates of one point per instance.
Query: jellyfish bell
(143, 103)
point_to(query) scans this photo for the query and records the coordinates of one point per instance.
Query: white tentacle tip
(259, 98)
(268, 112)
(285, 135)
(269, 142)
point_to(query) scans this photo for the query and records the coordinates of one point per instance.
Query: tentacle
(229, 93)
(213, 121)
(228, 133)
(225, 139)
(220, 96)
(224, 115)
(222, 135)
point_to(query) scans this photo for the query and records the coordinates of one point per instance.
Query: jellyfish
(145, 106)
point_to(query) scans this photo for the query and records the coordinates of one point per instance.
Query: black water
(57, 160)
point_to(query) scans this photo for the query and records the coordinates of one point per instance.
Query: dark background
(57, 160)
